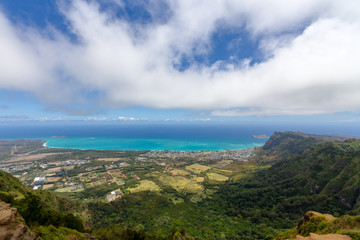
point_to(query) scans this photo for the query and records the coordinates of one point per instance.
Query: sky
(180, 60)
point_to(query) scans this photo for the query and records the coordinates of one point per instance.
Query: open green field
(181, 183)
(145, 185)
(179, 172)
(69, 189)
(216, 177)
(197, 168)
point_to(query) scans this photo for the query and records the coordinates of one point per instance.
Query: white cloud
(121, 118)
(97, 119)
(312, 49)
(127, 118)
(202, 119)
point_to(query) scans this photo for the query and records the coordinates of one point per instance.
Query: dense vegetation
(324, 178)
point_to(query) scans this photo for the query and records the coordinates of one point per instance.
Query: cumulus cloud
(127, 118)
(310, 64)
(122, 118)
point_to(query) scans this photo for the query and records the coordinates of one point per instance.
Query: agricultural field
(145, 185)
(95, 174)
(197, 168)
(181, 183)
(216, 177)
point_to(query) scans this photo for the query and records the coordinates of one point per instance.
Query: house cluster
(237, 155)
(38, 181)
(69, 162)
(16, 167)
(114, 195)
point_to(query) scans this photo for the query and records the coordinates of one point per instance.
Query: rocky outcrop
(311, 214)
(314, 236)
(12, 225)
(310, 221)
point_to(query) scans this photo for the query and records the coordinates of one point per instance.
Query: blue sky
(180, 60)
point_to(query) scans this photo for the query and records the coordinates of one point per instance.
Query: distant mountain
(285, 144)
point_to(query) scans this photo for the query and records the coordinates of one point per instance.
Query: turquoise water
(103, 143)
(177, 137)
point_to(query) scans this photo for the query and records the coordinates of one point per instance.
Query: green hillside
(11, 188)
(324, 178)
(39, 207)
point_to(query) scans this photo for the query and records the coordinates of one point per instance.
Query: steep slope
(39, 207)
(331, 169)
(324, 177)
(11, 188)
(12, 225)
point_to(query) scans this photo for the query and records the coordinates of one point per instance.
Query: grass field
(216, 177)
(109, 159)
(179, 172)
(197, 168)
(181, 183)
(199, 179)
(145, 185)
(53, 179)
(47, 186)
(69, 189)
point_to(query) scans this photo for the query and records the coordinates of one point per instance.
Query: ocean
(145, 136)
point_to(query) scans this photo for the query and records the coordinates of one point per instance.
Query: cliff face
(12, 225)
